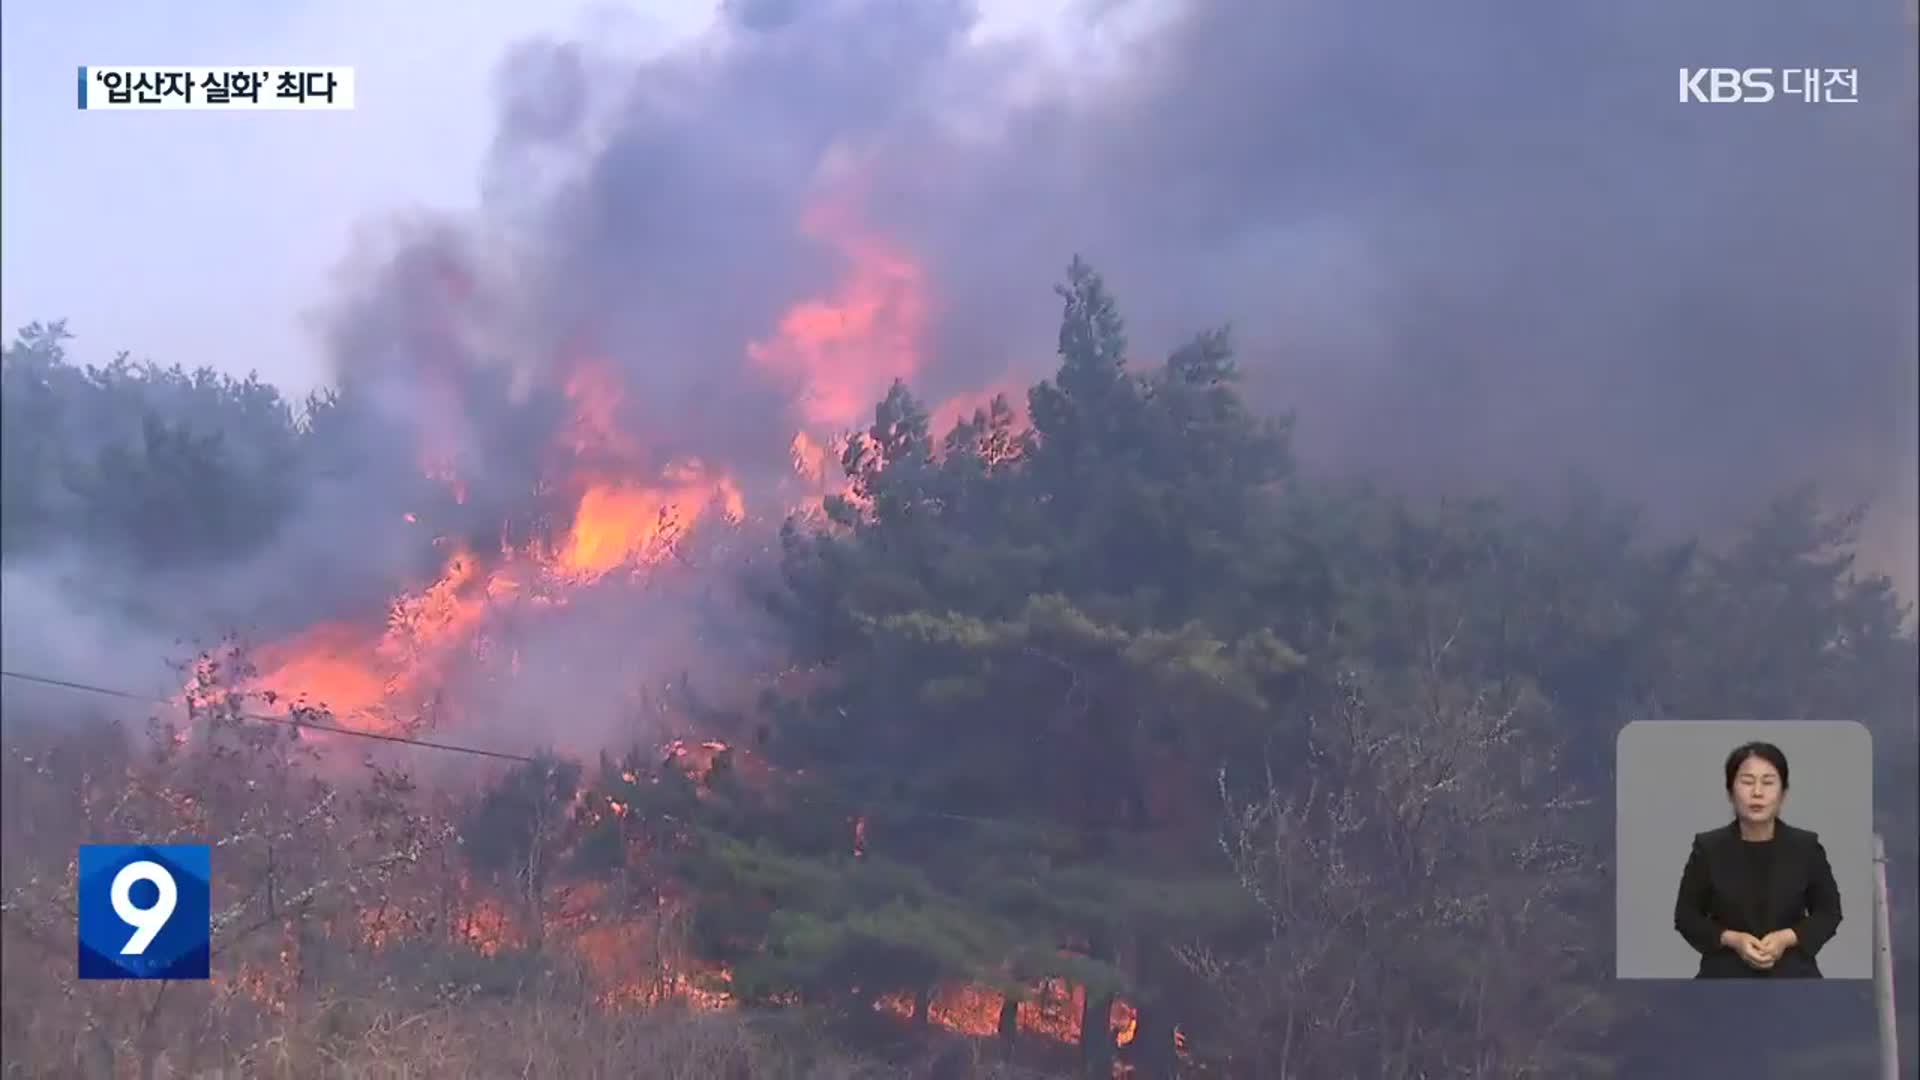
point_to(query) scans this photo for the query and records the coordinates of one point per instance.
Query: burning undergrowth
(564, 436)
(534, 541)
(573, 563)
(343, 872)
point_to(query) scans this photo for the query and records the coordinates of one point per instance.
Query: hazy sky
(211, 237)
(205, 237)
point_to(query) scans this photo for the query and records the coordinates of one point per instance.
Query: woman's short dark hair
(1765, 751)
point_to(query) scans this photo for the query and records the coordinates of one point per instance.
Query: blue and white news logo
(145, 911)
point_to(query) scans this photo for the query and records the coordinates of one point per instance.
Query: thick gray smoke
(1474, 244)
(47, 631)
(1482, 239)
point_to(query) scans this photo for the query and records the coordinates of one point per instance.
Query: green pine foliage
(1318, 774)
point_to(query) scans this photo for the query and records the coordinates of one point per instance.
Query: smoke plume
(1472, 246)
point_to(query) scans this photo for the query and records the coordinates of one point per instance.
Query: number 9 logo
(147, 922)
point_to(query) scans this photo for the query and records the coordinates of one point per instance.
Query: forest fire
(383, 680)
(621, 514)
(1052, 1012)
(619, 509)
(732, 606)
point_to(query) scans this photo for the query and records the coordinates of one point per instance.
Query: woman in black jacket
(1758, 899)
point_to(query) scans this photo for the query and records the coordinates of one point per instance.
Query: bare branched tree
(1418, 907)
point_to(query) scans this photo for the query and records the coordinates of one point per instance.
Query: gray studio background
(1672, 784)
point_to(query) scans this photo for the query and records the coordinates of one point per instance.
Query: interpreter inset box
(1673, 785)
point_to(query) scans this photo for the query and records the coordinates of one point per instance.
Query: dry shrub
(306, 856)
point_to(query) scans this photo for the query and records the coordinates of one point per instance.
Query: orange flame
(327, 665)
(1126, 1023)
(488, 929)
(1052, 1013)
(626, 513)
(969, 1010)
(963, 405)
(1055, 1011)
(843, 351)
(623, 523)
(811, 459)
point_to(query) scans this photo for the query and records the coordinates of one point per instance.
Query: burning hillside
(608, 540)
(615, 528)
(1113, 719)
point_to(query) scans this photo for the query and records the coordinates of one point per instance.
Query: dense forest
(1285, 777)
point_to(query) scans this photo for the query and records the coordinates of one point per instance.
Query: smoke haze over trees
(1260, 685)
(1126, 699)
(1495, 235)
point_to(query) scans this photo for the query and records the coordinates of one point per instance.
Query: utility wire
(288, 721)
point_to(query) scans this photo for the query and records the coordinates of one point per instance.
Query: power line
(288, 721)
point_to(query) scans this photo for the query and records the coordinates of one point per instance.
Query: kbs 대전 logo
(1757, 86)
(145, 911)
